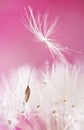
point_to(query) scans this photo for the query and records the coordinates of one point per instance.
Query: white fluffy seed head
(60, 92)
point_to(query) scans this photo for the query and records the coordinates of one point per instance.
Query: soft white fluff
(59, 92)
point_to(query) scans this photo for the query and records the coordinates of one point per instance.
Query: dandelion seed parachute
(45, 33)
(57, 104)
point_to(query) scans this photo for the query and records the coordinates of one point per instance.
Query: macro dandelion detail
(53, 102)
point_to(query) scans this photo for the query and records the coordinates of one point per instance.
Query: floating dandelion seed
(45, 33)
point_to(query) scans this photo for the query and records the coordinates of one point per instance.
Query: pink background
(18, 46)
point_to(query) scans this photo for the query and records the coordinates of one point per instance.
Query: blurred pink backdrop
(18, 46)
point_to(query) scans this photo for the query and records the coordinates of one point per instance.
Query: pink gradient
(18, 45)
(33, 123)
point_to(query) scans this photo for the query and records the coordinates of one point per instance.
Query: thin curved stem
(34, 62)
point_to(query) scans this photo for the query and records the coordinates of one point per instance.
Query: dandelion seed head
(62, 96)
